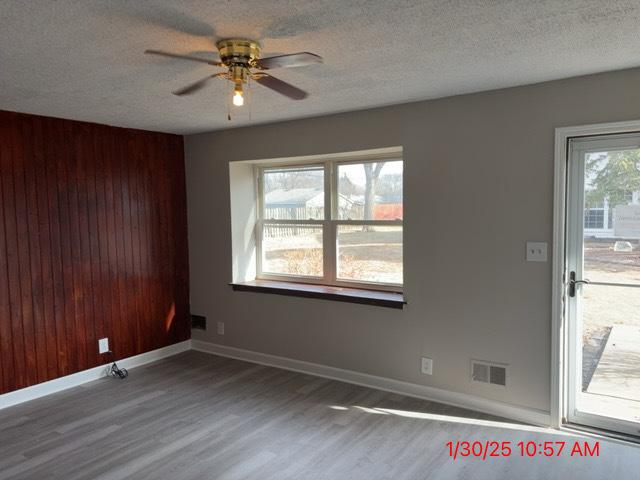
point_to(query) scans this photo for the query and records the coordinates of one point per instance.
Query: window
(594, 218)
(333, 223)
(594, 215)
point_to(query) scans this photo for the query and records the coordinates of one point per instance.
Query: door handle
(573, 282)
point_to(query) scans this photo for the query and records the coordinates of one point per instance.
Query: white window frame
(330, 224)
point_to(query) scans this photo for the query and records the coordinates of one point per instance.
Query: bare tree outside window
(371, 173)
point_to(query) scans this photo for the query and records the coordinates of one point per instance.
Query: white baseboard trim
(75, 379)
(463, 400)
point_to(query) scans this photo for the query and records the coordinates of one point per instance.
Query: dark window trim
(325, 292)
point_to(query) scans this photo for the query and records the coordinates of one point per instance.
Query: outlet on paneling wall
(426, 366)
(220, 328)
(103, 345)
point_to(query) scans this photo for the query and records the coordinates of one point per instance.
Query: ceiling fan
(241, 58)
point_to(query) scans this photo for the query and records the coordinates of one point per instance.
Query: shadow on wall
(248, 268)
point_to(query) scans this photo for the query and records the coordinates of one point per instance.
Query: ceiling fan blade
(182, 57)
(279, 86)
(195, 86)
(288, 61)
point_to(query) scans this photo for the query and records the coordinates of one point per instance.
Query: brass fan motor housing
(238, 52)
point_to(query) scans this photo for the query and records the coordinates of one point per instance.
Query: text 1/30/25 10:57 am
(490, 449)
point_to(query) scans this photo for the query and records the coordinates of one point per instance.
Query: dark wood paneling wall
(93, 244)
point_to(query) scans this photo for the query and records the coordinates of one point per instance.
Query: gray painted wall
(478, 185)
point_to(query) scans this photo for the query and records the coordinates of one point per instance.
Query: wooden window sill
(339, 294)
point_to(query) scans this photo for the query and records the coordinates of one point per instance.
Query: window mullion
(292, 222)
(259, 179)
(380, 223)
(328, 244)
(258, 236)
(335, 206)
(259, 188)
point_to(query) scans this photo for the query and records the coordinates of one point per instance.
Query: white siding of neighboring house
(608, 224)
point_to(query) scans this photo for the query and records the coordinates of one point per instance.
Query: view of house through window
(335, 223)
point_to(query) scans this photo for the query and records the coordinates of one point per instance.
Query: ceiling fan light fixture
(238, 95)
(242, 59)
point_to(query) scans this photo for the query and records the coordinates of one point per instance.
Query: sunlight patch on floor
(449, 418)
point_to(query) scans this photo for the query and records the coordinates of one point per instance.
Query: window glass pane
(370, 191)
(292, 250)
(370, 253)
(294, 193)
(612, 216)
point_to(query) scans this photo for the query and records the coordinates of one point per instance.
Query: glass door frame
(558, 408)
(578, 149)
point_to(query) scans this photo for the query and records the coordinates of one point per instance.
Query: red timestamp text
(485, 449)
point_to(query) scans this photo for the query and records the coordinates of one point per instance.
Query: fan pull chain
(250, 97)
(229, 92)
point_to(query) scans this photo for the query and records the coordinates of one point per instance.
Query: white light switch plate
(536, 251)
(103, 345)
(426, 366)
(220, 328)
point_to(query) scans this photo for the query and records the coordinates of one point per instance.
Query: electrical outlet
(426, 366)
(536, 251)
(103, 345)
(220, 328)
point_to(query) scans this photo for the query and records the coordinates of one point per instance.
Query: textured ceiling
(83, 59)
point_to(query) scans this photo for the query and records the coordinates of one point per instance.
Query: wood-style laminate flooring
(199, 416)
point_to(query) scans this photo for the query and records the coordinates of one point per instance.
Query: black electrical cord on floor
(116, 371)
